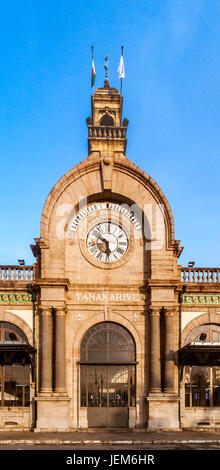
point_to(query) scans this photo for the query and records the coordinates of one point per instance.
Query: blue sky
(171, 98)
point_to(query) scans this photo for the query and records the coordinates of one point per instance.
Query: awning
(200, 354)
(15, 353)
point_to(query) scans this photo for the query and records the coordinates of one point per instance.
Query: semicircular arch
(121, 164)
(203, 319)
(19, 322)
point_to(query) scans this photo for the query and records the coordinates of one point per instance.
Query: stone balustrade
(16, 273)
(200, 275)
(107, 132)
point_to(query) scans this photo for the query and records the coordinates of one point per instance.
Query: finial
(106, 84)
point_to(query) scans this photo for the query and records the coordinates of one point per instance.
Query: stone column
(155, 361)
(169, 352)
(60, 356)
(46, 351)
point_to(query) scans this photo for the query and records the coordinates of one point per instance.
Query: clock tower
(107, 275)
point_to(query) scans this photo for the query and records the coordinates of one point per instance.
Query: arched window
(106, 120)
(211, 332)
(11, 332)
(14, 377)
(108, 342)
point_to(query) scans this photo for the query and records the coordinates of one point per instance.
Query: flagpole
(122, 47)
(92, 63)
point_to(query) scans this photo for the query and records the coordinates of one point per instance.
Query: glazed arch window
(108, 342)
(11, 332)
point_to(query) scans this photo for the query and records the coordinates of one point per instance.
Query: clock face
(107, 242)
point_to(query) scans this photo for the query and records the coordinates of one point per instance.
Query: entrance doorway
(107, 371)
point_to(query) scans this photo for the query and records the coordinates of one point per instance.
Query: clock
(107, 242)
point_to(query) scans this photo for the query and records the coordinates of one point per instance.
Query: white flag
(121, 68)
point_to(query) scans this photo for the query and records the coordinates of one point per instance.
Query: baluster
(9, 273)
(194, 272)
(5, 273)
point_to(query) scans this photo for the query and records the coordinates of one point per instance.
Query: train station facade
(107, 329)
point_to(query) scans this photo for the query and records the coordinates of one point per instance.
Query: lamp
(191, 264)
(21, 262)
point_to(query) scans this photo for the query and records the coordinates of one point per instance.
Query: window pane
(200, 380)
(118, 356)
(215, 336)
(97, 386)
(83, 381)
(216, 386)
(17, 385)
(97, 356)
(187, 395)
(132, 386)
(118, 386)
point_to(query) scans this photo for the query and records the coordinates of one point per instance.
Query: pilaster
(155, 359)
(46, 351)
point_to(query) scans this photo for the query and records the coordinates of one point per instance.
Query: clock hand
(103, 239)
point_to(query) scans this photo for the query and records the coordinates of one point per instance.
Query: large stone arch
(121, 165)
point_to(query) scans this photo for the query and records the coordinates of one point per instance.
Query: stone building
(106, 329)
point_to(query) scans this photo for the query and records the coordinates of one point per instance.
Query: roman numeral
(93, 250)
(120, 251)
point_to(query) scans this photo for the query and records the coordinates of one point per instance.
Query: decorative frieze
(201, 299)
(15, 298)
